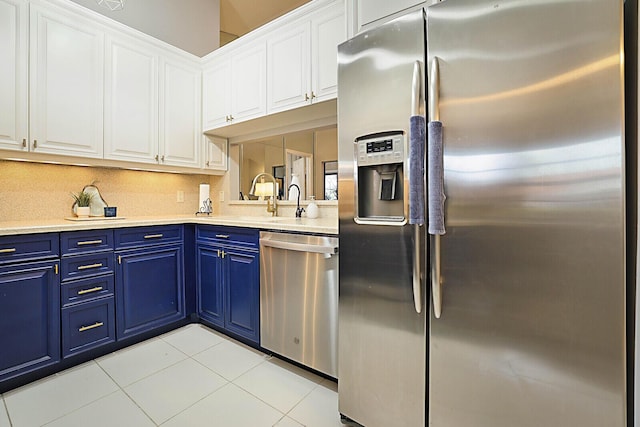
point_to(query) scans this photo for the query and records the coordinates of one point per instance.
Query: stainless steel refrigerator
(527, 270)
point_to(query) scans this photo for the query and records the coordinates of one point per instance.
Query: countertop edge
(302, 225)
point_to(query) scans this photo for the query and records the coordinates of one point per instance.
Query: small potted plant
(83, 202)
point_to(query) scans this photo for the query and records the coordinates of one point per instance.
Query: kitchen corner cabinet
(29, 303)
(14, 105)
(66, 84)
(180, 137)
(234, 86)
(228, 279)
(149, 278)
(216, 153)
(302, 62)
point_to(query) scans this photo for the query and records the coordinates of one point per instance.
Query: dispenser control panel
(380, 150)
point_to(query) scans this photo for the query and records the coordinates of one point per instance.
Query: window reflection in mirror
(310, 155)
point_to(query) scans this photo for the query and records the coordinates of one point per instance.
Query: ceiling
(238, 17)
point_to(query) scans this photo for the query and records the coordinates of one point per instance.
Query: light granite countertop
(279, 223)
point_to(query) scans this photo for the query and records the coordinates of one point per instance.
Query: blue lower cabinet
(210, 301)
(88, 325)
(242, 299)
(149, 289)
(228, 280)
(29, 317)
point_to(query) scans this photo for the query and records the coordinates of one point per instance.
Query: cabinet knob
(24, 142)
(231, 118)
(313, 95)
(35, 143)
(157, 158)
(306, 96)
(207, 163)
(162, 158)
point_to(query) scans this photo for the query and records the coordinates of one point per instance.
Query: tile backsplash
(33, 191)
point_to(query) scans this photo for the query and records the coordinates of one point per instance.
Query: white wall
(192, 25)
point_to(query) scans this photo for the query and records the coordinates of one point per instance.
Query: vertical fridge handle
(417, 216)
(436, 185)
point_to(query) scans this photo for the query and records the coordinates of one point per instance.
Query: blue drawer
(29, 247)
(88, 325)
(77, 242)
(80, 266)
(241, 237)
(86, 289)
(147, 236)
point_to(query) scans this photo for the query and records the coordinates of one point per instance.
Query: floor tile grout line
(196, 402)
(78, 408)
(6, 410)
(126, 394)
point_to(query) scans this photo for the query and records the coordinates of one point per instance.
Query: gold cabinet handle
(153, 236)
(119, 259)
(89, 242)
(86, 328)
(87, 267)
(222, 236)
(55, 269)
(88, 291)
(7, 251)
(223, 254)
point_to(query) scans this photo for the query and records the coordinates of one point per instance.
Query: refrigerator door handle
(434, 115)
(416, 103)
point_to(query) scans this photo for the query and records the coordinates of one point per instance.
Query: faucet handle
(299, 212)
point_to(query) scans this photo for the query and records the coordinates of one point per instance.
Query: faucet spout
(299, 210)
(272, 207)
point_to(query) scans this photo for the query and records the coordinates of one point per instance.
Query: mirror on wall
(308, 158)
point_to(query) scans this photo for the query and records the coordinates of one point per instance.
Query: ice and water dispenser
(379, 178)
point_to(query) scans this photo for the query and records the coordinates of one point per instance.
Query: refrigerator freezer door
(532, 331)
(382, 342)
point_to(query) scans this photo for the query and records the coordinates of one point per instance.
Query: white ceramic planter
(82, 212)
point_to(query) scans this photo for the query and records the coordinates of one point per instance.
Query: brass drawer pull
(7, 251)
(87, 267)
(88, 291)
(222, 236)
(153, 236)
(86, 328)
(89, 242)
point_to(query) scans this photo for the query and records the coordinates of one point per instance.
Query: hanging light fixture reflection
(111, 4)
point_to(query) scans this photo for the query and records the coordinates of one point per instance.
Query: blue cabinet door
(209, 284)
(29, 317)
(149, 289)
(242, 293)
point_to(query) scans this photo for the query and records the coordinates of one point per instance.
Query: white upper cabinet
(216, 93)
(289, 68)
(234, 86)
(180, 100)
(131, 101)
(14, 75)
(66, 84)
(370, 13)
(216, 153)
(328, 30)
(302, 65)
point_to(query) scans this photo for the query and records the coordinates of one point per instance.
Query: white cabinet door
(288, 69)
(131, 101)
(328, 30)
(370, 11)
(180, 129)
(248, 82)
(66, 84)
(216, 153)
(216, 81)
(13, 75)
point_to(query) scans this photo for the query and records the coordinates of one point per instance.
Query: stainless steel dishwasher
(299, 298)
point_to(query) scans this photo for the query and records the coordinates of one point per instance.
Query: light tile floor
(193, 376)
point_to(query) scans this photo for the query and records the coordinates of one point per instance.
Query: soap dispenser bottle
(312, 208)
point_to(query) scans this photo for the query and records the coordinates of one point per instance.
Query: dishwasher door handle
(300, 247)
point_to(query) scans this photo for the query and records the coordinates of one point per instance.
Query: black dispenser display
(380, 193)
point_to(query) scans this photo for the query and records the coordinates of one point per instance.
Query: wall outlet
(221, 196)
(180, 196)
